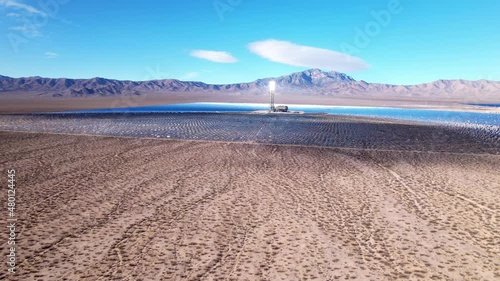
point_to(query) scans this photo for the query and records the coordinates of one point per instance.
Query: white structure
(272, 89)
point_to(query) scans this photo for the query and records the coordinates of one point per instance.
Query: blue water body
(182, 107)
(426, 115)
(487, 104)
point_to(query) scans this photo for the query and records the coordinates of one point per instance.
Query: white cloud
(190, 75)
(51, 55)
(21, 6)
(292, 54)
(215, 56)
(13, 15)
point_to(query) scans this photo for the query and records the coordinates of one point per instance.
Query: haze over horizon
(399, 42)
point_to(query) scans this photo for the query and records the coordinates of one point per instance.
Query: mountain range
(309, 82)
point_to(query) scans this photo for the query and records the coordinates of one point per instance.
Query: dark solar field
(309, 130)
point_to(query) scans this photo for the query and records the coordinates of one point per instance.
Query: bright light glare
(272, 85)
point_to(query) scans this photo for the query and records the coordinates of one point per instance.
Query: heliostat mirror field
(310, 130)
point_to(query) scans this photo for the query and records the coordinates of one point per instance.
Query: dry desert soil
(116, 208)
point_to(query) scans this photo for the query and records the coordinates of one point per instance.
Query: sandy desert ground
(114, 208)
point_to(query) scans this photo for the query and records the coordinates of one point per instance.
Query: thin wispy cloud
(214, 56)
(20, 6)
(19, 12)
(297, 55)
(51, 55)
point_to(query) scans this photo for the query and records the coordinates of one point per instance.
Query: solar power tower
(272, 89)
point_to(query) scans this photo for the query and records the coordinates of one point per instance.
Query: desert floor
(29, 102)
(115, 208)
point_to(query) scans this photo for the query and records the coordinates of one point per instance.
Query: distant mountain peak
(313, 78)
(318, 73)
(313, 71)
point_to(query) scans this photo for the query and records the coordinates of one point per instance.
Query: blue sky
(227, 41)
